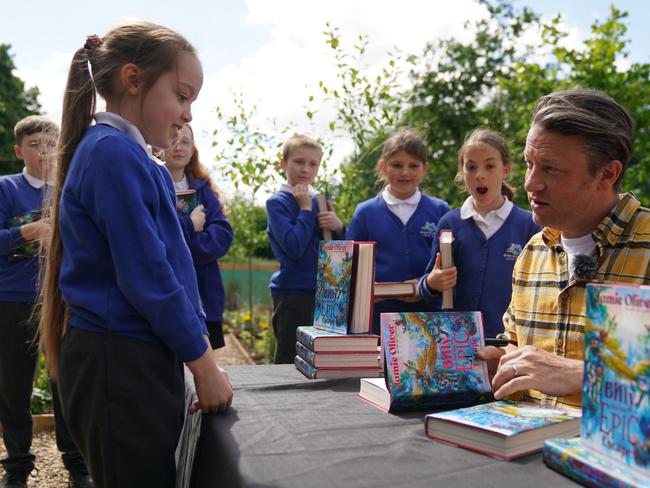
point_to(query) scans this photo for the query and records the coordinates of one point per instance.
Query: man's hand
(531, 368)
(302, 196)
(441, 279)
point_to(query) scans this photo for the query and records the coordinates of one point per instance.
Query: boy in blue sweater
(21, 199)
(294, 230)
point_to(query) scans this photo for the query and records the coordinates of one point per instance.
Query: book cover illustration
(616, 389)
(509, 418)
(570, 457)
(28, 249)
(334, 277)
(431, 359)
(186, 201)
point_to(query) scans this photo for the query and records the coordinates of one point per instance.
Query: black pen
(497, 341)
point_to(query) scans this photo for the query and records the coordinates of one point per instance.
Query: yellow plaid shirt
(547, 309)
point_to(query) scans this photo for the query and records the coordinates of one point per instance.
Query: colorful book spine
(305, 368)
(333, 282)
(431, 358)
(572, 459)
(305, 353)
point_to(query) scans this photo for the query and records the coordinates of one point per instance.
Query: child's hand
(328, 220)
(415, 298)
(198, 218)
(441, 279)
(36, 231)
(212, 384)
(302, 196)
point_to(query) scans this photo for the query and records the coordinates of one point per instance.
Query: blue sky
(272, 50)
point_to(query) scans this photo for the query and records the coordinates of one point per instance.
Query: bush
(254, 333)
(41, 395)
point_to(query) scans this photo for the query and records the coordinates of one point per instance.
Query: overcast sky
(272, 50)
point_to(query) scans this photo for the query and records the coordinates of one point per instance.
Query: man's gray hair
(605, 126)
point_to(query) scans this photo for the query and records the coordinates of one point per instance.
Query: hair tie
(93, 41)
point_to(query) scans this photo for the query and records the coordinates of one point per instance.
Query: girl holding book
(206, 229)
(489, 233)
(120, 307)
(401, 219)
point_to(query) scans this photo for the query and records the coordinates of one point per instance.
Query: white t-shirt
(573, 247)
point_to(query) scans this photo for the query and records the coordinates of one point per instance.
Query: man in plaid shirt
(577, 151)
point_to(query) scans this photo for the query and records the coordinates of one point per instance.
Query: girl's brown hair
(404, 139)
(493, 139)
(194, 169)
(95, 67)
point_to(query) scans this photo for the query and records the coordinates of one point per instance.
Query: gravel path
(51, 473)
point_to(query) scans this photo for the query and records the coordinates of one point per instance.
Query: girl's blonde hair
(493, 139)
(405, 139)
(95, 68)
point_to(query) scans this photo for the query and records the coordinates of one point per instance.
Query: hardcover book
(395, 289)
(185, 201)
(314, 373)
(322, 341)
(616, 388)
(344, 287)
(430, 362)
(503, 429)
(338, 359)
(30, 248)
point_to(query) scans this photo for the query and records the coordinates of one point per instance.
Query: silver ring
(515, 370)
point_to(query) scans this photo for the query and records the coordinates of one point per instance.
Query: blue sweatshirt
(484, 265)
(126, 268)
(17, 277)
(206, 247)
(294, 236)
(402, 251)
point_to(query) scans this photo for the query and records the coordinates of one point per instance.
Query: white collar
(123, 125)
(468, 211)
(391, 199)
(33, 181)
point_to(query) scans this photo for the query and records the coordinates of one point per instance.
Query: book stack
(327, 355)
(614, 444)
(340, 344)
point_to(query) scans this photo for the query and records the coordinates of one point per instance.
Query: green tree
(16, 102)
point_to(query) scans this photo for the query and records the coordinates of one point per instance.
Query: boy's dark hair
(298, 141)
(34, 124)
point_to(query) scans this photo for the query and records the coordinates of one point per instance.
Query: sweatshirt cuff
(427, 294)
(192, 350)
(16, 237)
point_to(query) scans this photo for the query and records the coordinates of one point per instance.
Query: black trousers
(215, 329)
(289, 312)
(18, 358)
(123, 400)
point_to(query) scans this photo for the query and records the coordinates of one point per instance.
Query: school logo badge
(513, 251)
(428, 230)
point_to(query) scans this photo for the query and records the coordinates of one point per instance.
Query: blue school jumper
(207, 246)
(17, 277)
(484, 265)
(126, 269)
(402, 251)
(294, 236)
